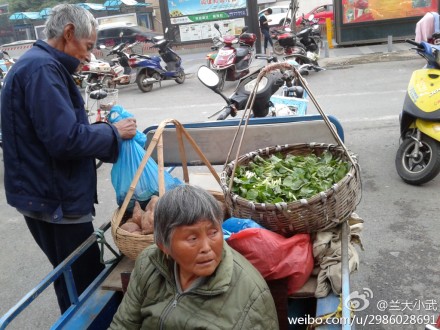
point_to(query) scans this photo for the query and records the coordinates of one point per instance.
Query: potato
(130, 227)
(148, 222)
(137, 213)
(152, 203)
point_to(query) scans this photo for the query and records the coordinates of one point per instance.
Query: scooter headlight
(249, 87)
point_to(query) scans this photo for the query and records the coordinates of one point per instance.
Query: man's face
(80, 48)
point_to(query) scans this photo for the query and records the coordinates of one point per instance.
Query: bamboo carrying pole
(157, 142)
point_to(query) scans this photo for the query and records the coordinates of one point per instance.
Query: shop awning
(44, 13)
(91, 6)
(116, 4)
(25, 15)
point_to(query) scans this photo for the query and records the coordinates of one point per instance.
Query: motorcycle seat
(148, 57)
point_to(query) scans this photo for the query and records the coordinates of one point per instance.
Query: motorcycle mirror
(217, 26)
(208, 77)
(245, 28)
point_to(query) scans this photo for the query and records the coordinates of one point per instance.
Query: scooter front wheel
(222, 78)
(277, 48)
(107, 82)
(421, 168)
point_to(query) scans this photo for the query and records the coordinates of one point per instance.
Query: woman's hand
(126, 128)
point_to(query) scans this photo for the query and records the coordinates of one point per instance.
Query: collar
(69, 62)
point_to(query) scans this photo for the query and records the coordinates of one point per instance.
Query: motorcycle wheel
(107, 82)
(222, 78)
(181, 78)
(277, 49)
(143, 87)
(425, 167)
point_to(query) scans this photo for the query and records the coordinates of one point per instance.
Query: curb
(368, 58)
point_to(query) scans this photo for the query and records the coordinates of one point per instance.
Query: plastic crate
(297, 106)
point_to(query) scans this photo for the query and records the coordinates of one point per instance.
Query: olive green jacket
(235, 297)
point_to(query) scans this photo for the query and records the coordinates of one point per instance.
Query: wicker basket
(129, 244)
(132, 244)
(318, 213)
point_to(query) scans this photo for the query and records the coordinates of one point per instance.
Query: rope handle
(157, 141)
(251, 100)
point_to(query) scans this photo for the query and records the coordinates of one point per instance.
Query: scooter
(303, 47)
(268, 86)
(418, 156)
(232, 63)
(217, 44)
(151, 71)
(121, 72)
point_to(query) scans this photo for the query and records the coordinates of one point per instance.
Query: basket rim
(352, 174)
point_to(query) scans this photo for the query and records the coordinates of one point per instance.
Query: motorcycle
(121, 72)
(313, 38)
(95, 71)
(418, 156)
(210, 57)
(268, 86)
(274, 34)
(232, 63)
(304, 47)
(151, 71)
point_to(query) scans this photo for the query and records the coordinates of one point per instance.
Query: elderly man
(49, 147)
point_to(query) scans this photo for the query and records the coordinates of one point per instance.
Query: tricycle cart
(95, 308)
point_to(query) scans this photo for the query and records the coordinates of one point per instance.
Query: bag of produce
(275, 256)
(130, 157)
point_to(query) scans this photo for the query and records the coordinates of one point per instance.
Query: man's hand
(126, 128)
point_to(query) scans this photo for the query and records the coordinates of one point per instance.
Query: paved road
(400, 264)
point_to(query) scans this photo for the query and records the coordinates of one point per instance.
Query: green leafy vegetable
(281, 178)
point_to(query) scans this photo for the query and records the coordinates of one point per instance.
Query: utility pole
(293, 9)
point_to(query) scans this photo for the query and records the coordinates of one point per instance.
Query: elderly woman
(191, 279)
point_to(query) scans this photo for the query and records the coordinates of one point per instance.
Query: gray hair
(184, 205)
(64, 14)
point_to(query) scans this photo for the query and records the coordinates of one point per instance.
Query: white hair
(64, 14)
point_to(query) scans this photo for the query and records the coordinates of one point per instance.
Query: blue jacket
(49, 147)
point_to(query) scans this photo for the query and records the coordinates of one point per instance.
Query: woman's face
(197, 249)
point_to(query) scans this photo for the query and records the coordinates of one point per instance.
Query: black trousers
(58, 241)
(267, 38)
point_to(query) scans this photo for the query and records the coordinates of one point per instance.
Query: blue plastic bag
(130, 157)
(118, 113)
(234, 225)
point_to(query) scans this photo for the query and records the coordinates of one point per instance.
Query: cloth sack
(327, 254)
